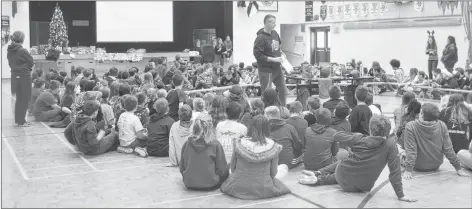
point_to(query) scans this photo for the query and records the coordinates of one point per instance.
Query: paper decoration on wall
(356, 8)
(347, 10)
(323, 11)
(365, 9)
(374, 8)
(331, 11)
(340, 11)
(418, 5)
(252, 8)
(308, 11)
(446, 5)
(316, 11)
(383, 7)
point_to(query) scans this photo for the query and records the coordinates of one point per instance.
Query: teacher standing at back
(21, 64)
(267, 51)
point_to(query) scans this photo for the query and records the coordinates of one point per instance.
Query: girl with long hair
(449, 57)
(218, 109)
(457, 117)
(255, 172)
(412, 113)
(203, 164)
(270, 97)
(432, 52)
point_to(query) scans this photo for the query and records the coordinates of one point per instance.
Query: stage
(65, 62)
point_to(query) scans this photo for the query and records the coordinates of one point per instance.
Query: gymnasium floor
(41, 170)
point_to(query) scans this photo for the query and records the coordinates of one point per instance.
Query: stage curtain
(466, 16)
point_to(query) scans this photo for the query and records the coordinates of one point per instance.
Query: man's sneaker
(125, 150)
(141, 152)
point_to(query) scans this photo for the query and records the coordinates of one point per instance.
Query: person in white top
(198, 107)
(369, 100)
(230, 129)
(130, 129)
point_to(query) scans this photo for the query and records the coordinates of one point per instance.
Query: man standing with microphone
(267, 51)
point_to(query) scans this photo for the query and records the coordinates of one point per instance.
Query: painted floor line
(179, 200)
(259, 203)
(15, 159)
(27, 135)
(97, 171)
(71, 148)
(371, 194)
(53, 167)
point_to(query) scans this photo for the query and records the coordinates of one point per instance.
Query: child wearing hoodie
(176, 97)
(89, 137)
(203, 164)
(465, 157)
(339, 121)
(257, 108)
(160, 124)
(255, 172)
(321, 149)
(361, 114)
(300, 126)
(334, 95)
(283, 134)
(39, 86)
(179, 133)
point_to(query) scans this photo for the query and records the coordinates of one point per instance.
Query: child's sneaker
(141, 152)
(125, 150)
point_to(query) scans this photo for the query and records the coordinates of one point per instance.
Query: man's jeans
(278, 79)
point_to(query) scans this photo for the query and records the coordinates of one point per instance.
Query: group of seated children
(244, 147)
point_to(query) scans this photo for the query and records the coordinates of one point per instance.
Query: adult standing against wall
(267, 51)
(21, 64)
(449, 57)
(432, 52)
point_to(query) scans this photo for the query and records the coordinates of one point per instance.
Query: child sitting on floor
(283, 134)
(228, 130)
(159, 127)
(198, 107)
(39, 86)
(339, 121)
(142, 111)
(203, 165)
(179, 133)
(130, 129)
(300, 126)
(176, 97)
(254, 166)
(361, 114)
(152, 95)
(313, 104)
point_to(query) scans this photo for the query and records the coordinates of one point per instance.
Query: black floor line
(307, 200)
(372, 193)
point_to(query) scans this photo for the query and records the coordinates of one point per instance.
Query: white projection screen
(135, 21)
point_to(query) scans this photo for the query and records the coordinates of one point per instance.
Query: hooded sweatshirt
(425, 144)
(285, 135)
(203, 165)
(320, 147)
(340, 124)
(267, 45)
(179, 133)
(158, 135)
(83, 133)
(369, 156)
(19, 60)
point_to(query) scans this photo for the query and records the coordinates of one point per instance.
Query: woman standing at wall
(449, 57)
(219, 49)
(21, 64)
(432, 52)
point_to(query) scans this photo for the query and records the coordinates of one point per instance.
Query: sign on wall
(80, 23)
(308, 11)
(5, 29)
(298, 39)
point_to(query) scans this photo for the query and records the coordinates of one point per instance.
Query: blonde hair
(162, 93)
(203, 129)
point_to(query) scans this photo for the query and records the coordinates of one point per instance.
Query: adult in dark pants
(267, 51)
(21, 64)
(432, 52)
(449, 57)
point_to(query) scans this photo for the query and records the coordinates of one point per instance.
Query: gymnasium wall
(19, 22)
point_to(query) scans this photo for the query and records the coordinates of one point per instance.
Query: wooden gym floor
(41, 170)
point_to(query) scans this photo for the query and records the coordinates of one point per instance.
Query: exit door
(320, 45)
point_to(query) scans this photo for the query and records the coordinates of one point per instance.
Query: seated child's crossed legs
(138, 147)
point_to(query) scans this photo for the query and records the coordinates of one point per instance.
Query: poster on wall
(356, 8)
(323, 11)
(347, 10)
(308, 11)
(383, 7)
(5, 29)
(418, 5)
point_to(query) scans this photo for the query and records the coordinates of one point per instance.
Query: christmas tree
(58, 30)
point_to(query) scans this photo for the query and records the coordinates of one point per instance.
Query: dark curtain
(466, 16)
